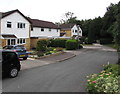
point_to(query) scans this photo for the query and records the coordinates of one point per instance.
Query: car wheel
(24, 58)
(13, 72)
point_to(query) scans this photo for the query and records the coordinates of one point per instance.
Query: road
(65, 76)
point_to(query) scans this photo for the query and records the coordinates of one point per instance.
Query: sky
(54, 10)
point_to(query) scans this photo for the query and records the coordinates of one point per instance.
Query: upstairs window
(9, 25)
(21, 25)
(42, 29)
(49, 29)
(75, 31)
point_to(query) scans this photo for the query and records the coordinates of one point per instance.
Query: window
(75, 31)
(20, 25)
(11, 41)
(9, 24)
(20, 41)
(23, 40)
(42, 29)
(49, 29)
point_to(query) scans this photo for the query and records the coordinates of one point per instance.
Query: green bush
(71, 44)
(57, 43)
(105, 41)
(39, 54)
(106, 81)
(47, 53)
(41, 45)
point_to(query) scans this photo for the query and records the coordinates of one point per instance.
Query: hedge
(57, 43)
(71, 44)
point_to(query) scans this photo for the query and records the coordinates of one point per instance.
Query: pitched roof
(4, 14)
(43, 24)
(66, 26)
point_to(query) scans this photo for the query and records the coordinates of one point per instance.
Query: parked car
(10, 63)
(19, 49)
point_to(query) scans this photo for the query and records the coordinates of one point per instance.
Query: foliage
(41, 45)
(39, 54)
(57, 43)
(71, 44)
(106, 81)
(106, 41)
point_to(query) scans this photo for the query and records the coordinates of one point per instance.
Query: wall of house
(37, 32)
(16, 18)
(76, 28)
(68, 33)
(27, 45)
(18, 32)
(34, 42)
(3, 42)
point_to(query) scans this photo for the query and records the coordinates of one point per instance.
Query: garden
(106, 82)
(54, 46)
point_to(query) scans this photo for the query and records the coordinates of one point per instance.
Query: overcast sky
(54, 10)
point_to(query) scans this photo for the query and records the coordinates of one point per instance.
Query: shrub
(105, 41)
(47, 53)
(58, 49)
(39, 54)
(106, 81)
(57, 43)
(41, 45)
(71, 44)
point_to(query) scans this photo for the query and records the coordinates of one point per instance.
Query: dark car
(10, 63)
(19, 49)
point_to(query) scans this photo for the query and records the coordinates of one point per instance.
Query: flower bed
(49, 51)
(107, 81)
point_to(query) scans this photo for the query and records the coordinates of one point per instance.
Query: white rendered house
(43, 30)
(15, 29)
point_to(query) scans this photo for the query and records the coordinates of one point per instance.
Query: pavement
(31, 63)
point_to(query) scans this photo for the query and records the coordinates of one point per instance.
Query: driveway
(66, 76)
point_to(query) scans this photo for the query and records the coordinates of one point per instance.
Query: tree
(68, 18)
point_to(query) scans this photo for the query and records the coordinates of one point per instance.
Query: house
(43, 30)
(14, 29)
(70, 31)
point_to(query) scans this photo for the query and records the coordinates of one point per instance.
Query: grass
(112, 46)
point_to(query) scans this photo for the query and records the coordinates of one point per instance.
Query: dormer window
(9, 24)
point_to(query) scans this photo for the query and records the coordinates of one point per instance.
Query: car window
(8, 47)
(8, 55)
(19, 47)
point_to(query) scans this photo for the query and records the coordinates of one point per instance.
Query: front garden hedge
(72, 44)
(57, 43)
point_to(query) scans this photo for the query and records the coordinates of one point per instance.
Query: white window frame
(11, 41)
(21, 41)
(9, 23)
(21, 25)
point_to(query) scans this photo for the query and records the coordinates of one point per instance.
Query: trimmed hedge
(57, 43)
(71, 44)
